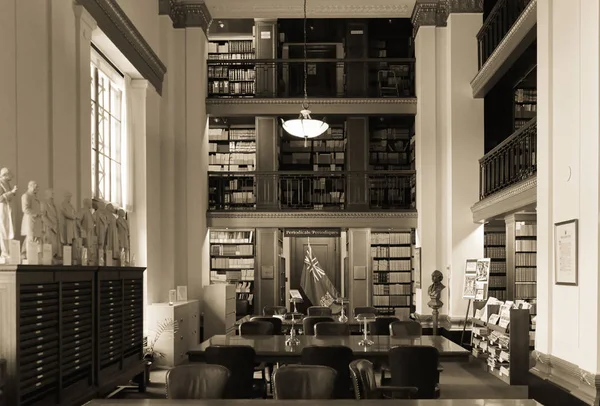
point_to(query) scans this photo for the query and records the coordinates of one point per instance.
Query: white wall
(568, 176)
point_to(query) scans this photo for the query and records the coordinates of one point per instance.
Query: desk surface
(349, 402)
(275, 345)
(298, 322)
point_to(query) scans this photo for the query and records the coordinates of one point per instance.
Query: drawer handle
(181, 338)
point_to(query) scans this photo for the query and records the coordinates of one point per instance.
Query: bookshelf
(232, 261)
(525, 277)
(391, 258)
(391, 79)
(501, 336)
(236, 78)
(325, 154)
(495, 249)
(232, 149)
(525, 106)
(281, 270)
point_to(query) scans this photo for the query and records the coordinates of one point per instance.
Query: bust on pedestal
(31, 224)
(434, 291)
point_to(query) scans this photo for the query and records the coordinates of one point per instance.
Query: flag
(316, 285)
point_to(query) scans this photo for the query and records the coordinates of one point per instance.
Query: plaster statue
(50, 223)
(68, 220)
(87, 223)
(7, 192)
(123, 231)
(31, 225)
(101, 221)
(112, 237)
(434, 291)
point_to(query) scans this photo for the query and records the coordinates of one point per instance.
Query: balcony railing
(510, 162)
(284, 78)
(496, 26)
(288, 191)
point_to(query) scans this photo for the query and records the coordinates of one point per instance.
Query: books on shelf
(391, 238)
(395, 265)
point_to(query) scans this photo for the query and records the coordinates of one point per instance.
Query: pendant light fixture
(304, 126)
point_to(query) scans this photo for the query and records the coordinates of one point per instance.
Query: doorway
(326, 250)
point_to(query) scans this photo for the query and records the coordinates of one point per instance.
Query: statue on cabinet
(50, 223)
(123, 231)
(101, 221)
(435, 290)
(7, 231)
(87, 223)
(112, 237)
(31, 224)
(68, 220)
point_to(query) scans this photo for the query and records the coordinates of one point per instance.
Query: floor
(458, 381)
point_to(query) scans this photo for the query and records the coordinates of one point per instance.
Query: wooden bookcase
(281, 269)
(525, 105)
(525, 277)
(506, 350)
(232, 261)
(232, 149)
(391, 259)
(495, 249)
(391, 79)
(234, 79)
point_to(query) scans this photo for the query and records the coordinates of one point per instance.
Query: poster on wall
(469, 285)
(565, 250)
(417, 267)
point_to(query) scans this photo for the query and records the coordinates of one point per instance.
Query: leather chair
(365, 385)
(256, 328)
(239, 359)
(274, 310)
(196, 381)
(242, 308)
(337, 357)
(308, 324)
(304, 382)
(319, 311)
(364, 310)
(416, 365)
(276, 322)
(331, 328)
(405, 328)
(381, 325)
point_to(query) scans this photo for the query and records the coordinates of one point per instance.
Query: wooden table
(273, 348)
(349, 402)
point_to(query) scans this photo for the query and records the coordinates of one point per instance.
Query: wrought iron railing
(514, 160)
(502, 17)
(270, 78)
(380, 190)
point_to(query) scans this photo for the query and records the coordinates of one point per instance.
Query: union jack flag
(316, 285)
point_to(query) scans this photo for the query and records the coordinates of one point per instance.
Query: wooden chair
(196, 381)
(304, 382)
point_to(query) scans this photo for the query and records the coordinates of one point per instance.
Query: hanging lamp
(305, 126)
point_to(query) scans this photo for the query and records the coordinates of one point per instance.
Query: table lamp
(365, 317)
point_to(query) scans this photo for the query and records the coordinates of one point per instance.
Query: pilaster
(360, 275)
(267, 138)
(266, 40)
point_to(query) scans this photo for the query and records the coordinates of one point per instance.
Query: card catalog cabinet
(219, 310)
(69, 333)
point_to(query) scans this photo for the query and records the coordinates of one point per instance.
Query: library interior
(322, 200)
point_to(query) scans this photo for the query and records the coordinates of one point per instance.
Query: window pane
(115, 103)
(93, 81)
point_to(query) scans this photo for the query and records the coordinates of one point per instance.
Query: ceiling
(315, 8)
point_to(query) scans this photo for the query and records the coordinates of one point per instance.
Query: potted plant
(150, 352)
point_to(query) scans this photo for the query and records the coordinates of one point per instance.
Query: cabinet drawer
(230, 305)
(229, 321)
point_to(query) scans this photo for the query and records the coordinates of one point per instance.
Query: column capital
(186, 13)
(436, 12)
(84, 17)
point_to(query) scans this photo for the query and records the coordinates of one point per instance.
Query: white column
(8, 86)
(426, 159)
(197, 161)
(464, 146)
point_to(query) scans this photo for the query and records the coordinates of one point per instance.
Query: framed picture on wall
(565, 252)
(417, 267)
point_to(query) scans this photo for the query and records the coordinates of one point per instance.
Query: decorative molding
(464, 6)
(520, 35)
(375, 219)
(583, 384)
(113, 21)
(186, 14)
(436, 12)
(298, 101)
(507, 200)
(322, 9)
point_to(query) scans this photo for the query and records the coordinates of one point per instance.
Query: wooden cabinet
(174, 343)
(219, 310)
(69, 333)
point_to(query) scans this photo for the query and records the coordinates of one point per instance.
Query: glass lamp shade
(305, 126)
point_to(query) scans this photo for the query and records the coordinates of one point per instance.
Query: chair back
(239, 360)
(308, 324)
(242, 307)
(303, 382)
(331, 328)
(274, 310)
(404, 328)
(381, 325)
(196, 381)
(364, 310)
(275, 321)
(319, 311)
(337, 357)
(415, 365)
(363, 379)
(256, 328)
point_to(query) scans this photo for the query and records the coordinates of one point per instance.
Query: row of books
(244, 287)
(495, 252)
(525, 95)
(391, 134)
(230, 167)
(231, 74)
(236, 237)
(231, 47)
(240, 198)
(392, 265)
(388, 157)
(391, 238)
(232, 263)
(231, 158)
(388, 145)
(233, 134)
(525, 230)
(497, 281)
(525, 291)
(498, 267)
(525, 259)
(392, 252)
(499, 293)
(392, 277)
(525, 274)
(230, 276)
(233, 146)
(392, 289)
(323, 145)
(391, 301)
(495, 239)
(232, 88)
(231, 250)
(526, 245)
